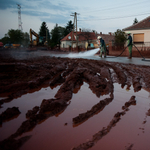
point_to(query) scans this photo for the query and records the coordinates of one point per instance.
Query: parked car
(7, 46)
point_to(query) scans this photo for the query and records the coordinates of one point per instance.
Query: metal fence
(143, 46)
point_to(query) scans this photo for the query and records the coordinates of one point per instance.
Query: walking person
(102, 47)
(130, 45)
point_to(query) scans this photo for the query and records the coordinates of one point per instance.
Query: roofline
(78, 33)
(136, 24)
(136, 29)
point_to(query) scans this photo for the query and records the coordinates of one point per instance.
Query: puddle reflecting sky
(58, 132)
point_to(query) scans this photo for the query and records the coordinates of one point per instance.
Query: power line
(115, 17)
(111, 8)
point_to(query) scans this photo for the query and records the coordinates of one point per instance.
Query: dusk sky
(103, 16)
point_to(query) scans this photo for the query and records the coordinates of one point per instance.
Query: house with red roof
(140, 32)
(108, 38)
(82, 40)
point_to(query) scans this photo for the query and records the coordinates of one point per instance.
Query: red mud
(19, 77)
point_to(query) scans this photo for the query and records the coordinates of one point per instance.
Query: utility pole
(75, 28)
(19, 17)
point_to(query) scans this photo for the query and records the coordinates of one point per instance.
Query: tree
(16, 36)
(43, 30)
(135, 21)
(5, 39)
(44, 33)
(57, 34)
(120, 38)
(68, 28)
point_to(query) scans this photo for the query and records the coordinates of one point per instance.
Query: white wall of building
(146, 34)
(65, 44)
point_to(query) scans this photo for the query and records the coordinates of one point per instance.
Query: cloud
(4, 4)
(59, 19)
(35, 13)
(54, 12)
(92, 14)
(36, 7)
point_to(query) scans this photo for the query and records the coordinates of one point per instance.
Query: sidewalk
(134, 60)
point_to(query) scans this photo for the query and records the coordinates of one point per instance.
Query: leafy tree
(16, 36)
(135, 21)
(5, 39)
(68, 28)
(57, 34)
(61, 32)
(120, 38)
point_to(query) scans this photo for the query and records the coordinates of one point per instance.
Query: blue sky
(102, 16)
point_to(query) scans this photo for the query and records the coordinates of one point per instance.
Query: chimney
(100, 33)
(79, 29)
(109, 33)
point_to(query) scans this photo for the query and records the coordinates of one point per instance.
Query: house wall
(146, 34)
(81, 44)
(65, 44)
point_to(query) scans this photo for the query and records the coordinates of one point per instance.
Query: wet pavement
(24, 54)
(134, 60)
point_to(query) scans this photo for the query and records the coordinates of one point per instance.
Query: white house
(82, 39)
(140, 32)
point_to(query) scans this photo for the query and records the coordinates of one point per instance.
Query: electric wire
(111, 8)
(115, 17)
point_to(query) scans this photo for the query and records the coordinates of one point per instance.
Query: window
(138, 38)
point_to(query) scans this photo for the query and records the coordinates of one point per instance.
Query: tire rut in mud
(69, 74)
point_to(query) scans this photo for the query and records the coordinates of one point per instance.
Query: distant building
(83, 40)
(140, 32)
(108, 38)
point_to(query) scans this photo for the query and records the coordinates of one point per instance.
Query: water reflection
(68, 101)
(88, 97)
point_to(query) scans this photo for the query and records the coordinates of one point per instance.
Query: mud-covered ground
(19, 77)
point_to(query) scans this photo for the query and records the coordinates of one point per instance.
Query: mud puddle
(78, 104)
(59, 132)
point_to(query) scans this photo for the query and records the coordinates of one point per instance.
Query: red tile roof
(107, 37)
(82, 36)
(144, 24)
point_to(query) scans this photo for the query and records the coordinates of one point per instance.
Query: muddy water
(58, 132)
